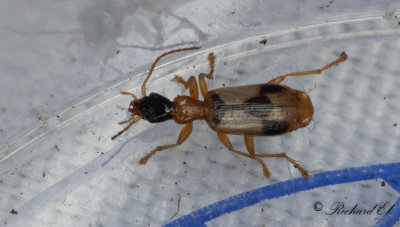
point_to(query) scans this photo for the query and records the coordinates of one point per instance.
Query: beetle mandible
(268, 109)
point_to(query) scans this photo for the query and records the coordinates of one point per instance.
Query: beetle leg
(343, 57)
(225, 140)
(249, 141)
(302, 171)
(182, 81)
(191, 84)
(185, 133)
(202, 81)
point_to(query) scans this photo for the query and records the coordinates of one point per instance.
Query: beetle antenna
(136, 119)
(128, 93)
(158, 59)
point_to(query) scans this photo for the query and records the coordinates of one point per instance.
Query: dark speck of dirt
(329, 5)
(264, 41)
(13, 212)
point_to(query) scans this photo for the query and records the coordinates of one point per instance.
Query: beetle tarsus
(180, 80)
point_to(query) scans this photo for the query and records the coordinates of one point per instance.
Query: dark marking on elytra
(271, 88)
(219, 111)
(259, 107)
(273, 128)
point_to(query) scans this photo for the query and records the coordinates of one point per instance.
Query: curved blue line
(388, 172)
(390, 219)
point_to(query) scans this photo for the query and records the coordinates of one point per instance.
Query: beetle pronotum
(268, 109)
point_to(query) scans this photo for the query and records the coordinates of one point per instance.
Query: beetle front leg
(225, 140)
(185, 133)
(202, 81)
(191, 84)
(343, 57)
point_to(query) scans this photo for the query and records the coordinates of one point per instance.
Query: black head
(153, 108)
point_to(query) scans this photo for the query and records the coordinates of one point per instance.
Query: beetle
(268, 109)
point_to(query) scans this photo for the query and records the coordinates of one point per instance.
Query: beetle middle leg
(343, 57)
(185, 133)
(225, 140)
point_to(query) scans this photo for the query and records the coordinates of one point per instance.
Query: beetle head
(153, 108)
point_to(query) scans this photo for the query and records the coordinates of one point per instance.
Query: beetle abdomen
(262, 110)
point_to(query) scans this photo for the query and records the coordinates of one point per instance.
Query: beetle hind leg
(302, 171)
(343, 57)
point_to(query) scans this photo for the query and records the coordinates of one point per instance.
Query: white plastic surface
(63, 65)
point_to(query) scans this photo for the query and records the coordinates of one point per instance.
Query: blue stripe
(388, 172)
